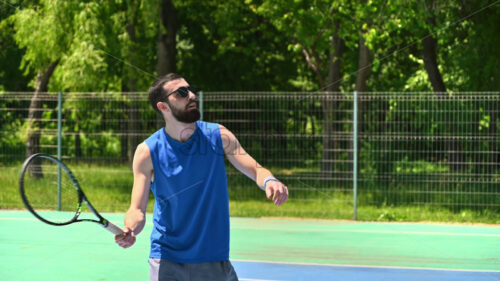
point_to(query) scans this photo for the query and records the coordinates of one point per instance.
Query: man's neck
(179, 131)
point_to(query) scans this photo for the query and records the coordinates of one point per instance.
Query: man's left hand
(276, 191)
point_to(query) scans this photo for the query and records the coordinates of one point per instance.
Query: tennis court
(261, 249)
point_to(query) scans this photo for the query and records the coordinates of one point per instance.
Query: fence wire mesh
(421, 149)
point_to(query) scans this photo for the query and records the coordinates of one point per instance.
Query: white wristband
(263, 187)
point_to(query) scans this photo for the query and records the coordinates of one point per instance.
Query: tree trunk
(167, 44)
(35, 114)
(328, 154)
(361, 77)
(131, 86)
(78, 145)
(124, 130)
(452, 147)
(133, 130)
(431, 66)
(494, 160)
(363, 66)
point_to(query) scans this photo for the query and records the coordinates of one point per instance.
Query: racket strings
(47, 188)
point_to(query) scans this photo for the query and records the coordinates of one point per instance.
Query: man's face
(184, 109)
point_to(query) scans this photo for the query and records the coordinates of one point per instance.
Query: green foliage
(227, 46)
(259, 45)
(11, 77)
(419, 167)
(296, 20)
(44, 31)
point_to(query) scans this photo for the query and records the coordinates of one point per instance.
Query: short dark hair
(156, 92)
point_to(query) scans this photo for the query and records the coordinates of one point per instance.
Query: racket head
(38, 185)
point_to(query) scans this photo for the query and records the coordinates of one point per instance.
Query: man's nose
(192, 96)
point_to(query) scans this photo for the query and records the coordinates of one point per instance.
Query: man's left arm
(241, 160)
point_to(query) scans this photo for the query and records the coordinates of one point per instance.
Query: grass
(109, 187)
(344, 210)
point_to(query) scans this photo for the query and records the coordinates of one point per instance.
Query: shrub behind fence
(425, 149)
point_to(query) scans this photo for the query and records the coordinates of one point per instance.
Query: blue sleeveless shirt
(191, 210)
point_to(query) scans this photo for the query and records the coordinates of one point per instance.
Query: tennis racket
(41, 176)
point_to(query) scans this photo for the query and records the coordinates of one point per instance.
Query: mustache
(193, 102)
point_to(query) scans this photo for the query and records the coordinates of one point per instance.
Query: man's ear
(162, 106)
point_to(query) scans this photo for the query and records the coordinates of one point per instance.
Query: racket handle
(113, 228)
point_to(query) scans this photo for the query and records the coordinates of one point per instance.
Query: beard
(186, 115)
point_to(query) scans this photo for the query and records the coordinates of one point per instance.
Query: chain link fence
(414, 149)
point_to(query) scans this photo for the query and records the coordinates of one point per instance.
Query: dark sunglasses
(183, 92)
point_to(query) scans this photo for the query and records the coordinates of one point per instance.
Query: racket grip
(113, 228)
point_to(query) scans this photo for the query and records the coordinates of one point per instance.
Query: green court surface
(32, 250)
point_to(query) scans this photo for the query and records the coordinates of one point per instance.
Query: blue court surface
(265, 271)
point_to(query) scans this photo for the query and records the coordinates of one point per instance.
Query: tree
(167, 38)
(36, 109)
(473, 66)
(337, 28)
(11, 77)
(129, 82)
(36, 30)
(429, 51)
(322, 52)
(430, 54)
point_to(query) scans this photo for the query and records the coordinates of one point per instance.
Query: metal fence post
(355, 154)
(201, 105)
(59, 148)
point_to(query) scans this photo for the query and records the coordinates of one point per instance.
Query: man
(183, 165)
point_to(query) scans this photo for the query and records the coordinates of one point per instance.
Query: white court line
(330, 230)
(367, 266)
(18, 219)
(34, 219)
(371, 231)
(247, 279)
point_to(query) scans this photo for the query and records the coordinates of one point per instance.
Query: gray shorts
(163, 270)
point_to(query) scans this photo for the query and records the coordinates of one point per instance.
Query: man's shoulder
(208, 127)
(156, 134)
(143, 147)
(153, 139)
(142, 151)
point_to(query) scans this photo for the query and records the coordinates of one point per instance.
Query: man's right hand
(126, 239)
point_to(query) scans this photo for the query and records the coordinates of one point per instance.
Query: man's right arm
(135, 218)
